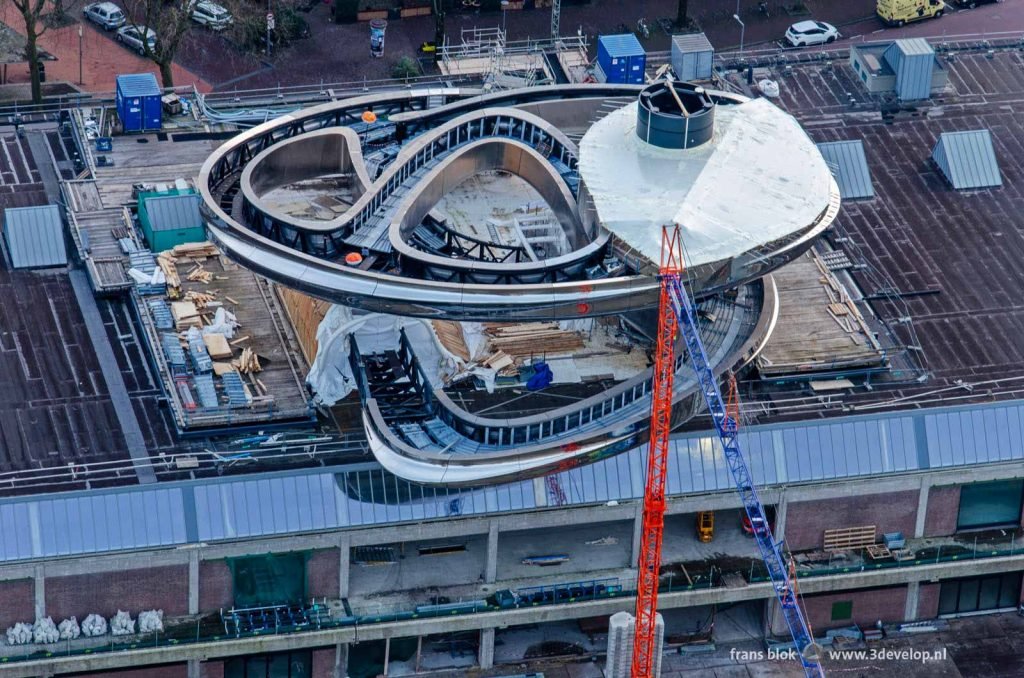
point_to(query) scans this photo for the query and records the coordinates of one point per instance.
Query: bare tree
(31, 12)
(170, 21)
(682, 9)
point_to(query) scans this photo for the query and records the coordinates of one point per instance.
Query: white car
(131, 37)
(211, 15)
(105, 14)
(807, 33)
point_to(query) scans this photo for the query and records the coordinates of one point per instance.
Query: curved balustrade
(437, 441)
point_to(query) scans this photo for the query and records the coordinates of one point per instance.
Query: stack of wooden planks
(217, 346)
(194, 250)
(185, 315)
(522, 340)
(167, 265)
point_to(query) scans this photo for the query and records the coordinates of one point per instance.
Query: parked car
(807, 33)
(748, 528)
(105, 14)
(211, 15)
(900, 12)
(132, 37)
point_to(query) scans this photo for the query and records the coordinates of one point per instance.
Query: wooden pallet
(879, 551)
(850, 538)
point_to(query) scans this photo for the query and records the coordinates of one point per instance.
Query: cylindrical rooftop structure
(675, 115)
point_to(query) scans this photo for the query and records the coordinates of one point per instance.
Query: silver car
(132, 37)
(211, 15)
(105, 14)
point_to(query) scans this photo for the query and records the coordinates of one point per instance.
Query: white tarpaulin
(330, 376)
(757, 180)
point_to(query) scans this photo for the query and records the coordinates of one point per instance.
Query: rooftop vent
(675, 115)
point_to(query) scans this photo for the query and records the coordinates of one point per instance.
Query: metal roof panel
(849, 166)
(35, 236)
(968, 159)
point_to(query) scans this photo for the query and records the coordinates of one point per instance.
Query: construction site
(359, 381)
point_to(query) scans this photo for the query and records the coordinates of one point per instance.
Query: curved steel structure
(412, 263)
(418, 433)
(444, 135)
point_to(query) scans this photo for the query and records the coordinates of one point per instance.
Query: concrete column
(638, 527)
(540, 492)
(486, 654)
(341, 660)
(40, 591)
(194, 671)
(913, 594)
(491, 573)
(780, 517)
(193, 583)
(387, 654)
(419, 654)
(344, 556)
(922, 507)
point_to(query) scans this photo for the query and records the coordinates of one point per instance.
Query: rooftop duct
(675, 115)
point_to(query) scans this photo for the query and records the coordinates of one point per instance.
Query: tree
(682, 9)
(31, 12)
(170, 21)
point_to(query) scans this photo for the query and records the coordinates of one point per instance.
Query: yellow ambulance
(899, 12)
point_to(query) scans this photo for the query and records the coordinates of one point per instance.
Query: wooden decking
(819, 328)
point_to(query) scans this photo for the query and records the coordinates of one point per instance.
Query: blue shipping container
(138, 102)
(621, 58)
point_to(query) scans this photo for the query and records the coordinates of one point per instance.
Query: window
(269, 580)
(279, 665)
(976, 594)
(990, 504)
(842, 610)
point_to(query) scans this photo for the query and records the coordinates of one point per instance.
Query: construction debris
(248, 362)
(449, 333)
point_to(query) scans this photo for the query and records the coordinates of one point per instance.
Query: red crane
(676, 312)
(649, 563)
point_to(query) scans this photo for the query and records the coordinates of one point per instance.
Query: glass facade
(991, 504)
(296, 664)
(976, 594)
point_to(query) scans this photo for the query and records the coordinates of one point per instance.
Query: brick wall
(154, 588)
(17, 602)
(943, 509)
(323, 663)
(322, 574)
(928, 601)
(211, 669)
(165, 671)
(806, 521)
(215, 585)
(868, 607)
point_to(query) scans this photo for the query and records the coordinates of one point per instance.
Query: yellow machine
(900, 12)
(705, 526)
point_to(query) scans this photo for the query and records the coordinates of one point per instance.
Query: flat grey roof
(218, 509)
(967, 159)
(849, 166)
(35, 236)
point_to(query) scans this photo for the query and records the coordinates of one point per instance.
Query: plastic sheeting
(122, 624)
(759, 178)
(331, 377)
(94, 625)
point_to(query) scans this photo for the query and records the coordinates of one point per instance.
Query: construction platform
(252, 375)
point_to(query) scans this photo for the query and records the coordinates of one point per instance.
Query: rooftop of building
(937, 266)
(946, 260)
